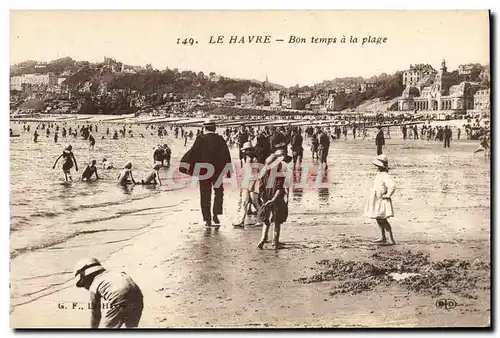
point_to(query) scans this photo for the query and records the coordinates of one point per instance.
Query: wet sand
(192, 277)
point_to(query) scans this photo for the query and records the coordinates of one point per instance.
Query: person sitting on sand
(151, 179)
(69, 158)
(89, 171)
(115, 299)
(126, 176)
(106, 164)
(379, 204)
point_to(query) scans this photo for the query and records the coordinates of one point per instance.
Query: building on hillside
(437, 95)
(352, 88)
(252, 99)
(214, 78)
(33, 80)
(370, 84)
(112, 65)
(332, 103)
(304, 95)
(465, 69)
(230, 99)
(482, 99)
(292, 102)
(315, 105)
(485, 75)
(412, 76)
(246, 99)
(275, 97)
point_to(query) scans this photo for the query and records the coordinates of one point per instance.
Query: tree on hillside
(60, 65)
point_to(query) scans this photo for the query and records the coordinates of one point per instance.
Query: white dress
(376, 206)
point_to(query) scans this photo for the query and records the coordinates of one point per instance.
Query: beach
(194, 277)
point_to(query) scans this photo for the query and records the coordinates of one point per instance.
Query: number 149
(186, 41)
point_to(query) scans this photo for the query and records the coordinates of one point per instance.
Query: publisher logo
(446, 303)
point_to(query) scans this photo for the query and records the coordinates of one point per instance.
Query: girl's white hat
(381, 161)
(246, 145)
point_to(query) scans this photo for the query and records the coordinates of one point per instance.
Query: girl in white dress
(379, 204)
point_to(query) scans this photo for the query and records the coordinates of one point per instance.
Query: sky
(142, 37)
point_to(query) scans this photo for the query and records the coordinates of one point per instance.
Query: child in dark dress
(275, 197)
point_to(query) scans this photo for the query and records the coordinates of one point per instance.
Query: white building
(412, 76)
(275, 97)
(482, 100)
(230, 97)
(17, 82)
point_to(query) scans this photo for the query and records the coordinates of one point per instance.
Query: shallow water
(41, 201)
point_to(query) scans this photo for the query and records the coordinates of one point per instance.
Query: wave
(54, 242)
(120, 214)
(20, 251)
(51, 214)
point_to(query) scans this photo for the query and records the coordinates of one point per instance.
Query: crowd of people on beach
(271, 147)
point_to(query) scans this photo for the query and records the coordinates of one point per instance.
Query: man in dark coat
(379, 140)
(211, 148)
(278, 140)
(324, 146)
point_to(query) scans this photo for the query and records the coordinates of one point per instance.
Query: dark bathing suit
(68, 161)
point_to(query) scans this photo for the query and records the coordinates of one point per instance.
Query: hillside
(375, 105)
(161, 85)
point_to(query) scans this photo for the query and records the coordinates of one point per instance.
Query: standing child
(275, 197)
(69, 160)
(379, 204)
(252, 191)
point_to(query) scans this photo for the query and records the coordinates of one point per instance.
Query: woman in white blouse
(379, 204)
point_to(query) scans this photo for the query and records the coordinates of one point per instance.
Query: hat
(275, 158)
(381, 161)
(246, 145)
(208, 123)
(85, 268)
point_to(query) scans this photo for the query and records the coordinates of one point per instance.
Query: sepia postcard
(250, 169)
